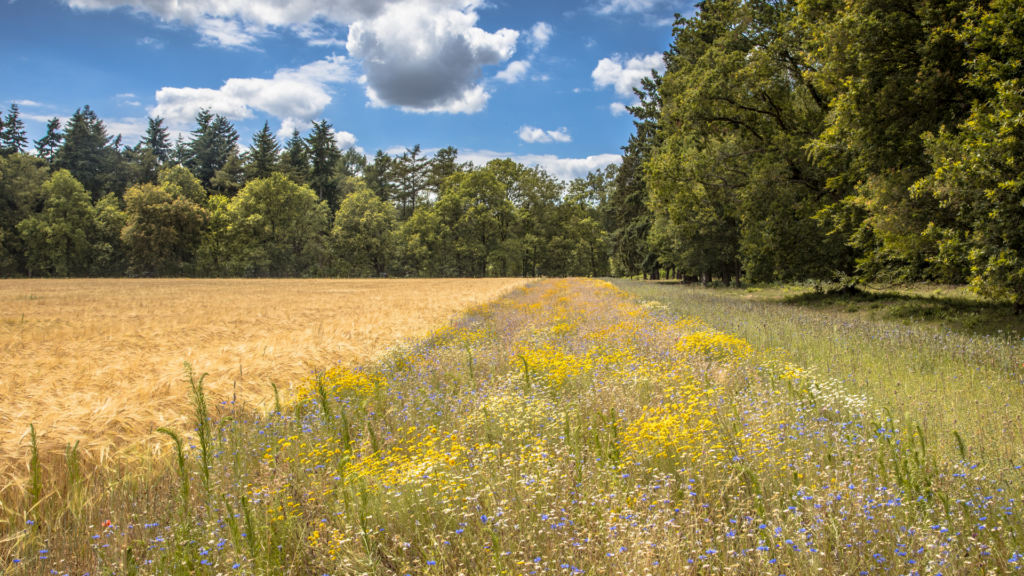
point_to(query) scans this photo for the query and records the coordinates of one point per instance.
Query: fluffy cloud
(418, 55)
(562, 168)
(261, 13)
(540, 34)
(533, 135)
(424, 59)
(515, 72)
(618, 109)
(625, 76)
(296, 96)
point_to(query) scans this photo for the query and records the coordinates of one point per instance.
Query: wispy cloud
(150, 42)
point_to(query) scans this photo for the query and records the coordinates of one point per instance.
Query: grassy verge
(564, 429)
(945, 380)
(948, 308)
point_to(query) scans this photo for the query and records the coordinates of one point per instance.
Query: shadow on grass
(959, 313)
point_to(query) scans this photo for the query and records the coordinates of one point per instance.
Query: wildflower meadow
(566, 428)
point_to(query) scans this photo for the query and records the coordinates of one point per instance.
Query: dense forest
(84, 204)
(854, 140)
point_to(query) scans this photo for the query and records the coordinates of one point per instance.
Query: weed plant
(594, 434)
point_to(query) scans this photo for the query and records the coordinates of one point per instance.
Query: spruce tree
(412, 175)
(352, 163)
(158, 140)
(213, 143)
(47, 146)
(296, 158)
(86, 151)
(180, 153)
(323, 156)
(380, 176)
(264, 154)
(12, 137)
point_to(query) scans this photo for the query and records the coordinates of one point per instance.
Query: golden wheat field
(101, 361)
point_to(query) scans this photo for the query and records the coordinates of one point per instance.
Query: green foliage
(162, 231)
(264, 154)
(323, 158)
(277, 229)
(364, 233)
(21, 195)
(87, 154)
(213, 144)
(977, 175)
(730, 179)
(59, 240)
(893, 71)
(12, 134)
(157, 139)
(48, 145)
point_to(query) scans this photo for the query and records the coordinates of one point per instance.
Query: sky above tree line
(543, 82)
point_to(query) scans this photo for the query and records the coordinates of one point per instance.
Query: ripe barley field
(100, 362)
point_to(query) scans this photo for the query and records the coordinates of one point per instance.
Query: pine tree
(380, 176)
(264, 154)
(323, 156)
(180, 153)
(296, 158)
(213, 143)
(158, 140)
(352, 163)
(50, 142)
(411, 170)
(86, 152)
(442, 165)
(12, 138)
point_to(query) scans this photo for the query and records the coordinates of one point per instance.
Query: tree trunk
(726, 274)
(738, 275)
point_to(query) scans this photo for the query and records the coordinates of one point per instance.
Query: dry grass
(100, 361)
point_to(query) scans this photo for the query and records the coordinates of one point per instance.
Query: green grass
(954, 308)
(944, 379)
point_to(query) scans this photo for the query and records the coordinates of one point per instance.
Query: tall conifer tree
(158, 140)
(323, 156)
(264, 154)
(86, 152)
(12, 138)
(47, 146)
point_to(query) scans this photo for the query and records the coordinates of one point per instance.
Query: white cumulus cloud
(562, 168)
(533, 135)
(618, 109)
(515, 72)
(424, 59)
(294, 95)
(540, 34)
(624, 76)
(417, 55)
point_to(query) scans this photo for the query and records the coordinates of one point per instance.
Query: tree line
(787, 140)
(83, 204)
(874, 140)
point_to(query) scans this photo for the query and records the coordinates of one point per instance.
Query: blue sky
(541, 81)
